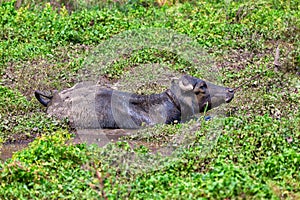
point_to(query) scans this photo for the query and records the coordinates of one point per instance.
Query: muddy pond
(100, 137)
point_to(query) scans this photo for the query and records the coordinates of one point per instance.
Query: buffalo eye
(200, 87)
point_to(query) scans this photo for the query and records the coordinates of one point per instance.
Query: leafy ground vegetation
(43, 45)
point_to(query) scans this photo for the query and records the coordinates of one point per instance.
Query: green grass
(43, 169)
(256, 155)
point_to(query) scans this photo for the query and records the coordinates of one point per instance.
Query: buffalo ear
(200, 87)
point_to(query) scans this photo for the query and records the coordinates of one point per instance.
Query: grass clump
(47, 169)
(19, 120)
(10, 101)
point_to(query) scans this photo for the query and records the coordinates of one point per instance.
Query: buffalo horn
(185, 87)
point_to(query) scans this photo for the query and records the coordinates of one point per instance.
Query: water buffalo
(94, 106)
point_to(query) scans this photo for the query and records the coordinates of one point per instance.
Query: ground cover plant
(43, 46)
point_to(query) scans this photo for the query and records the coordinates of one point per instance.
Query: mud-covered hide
(94, 106)
(77, 104)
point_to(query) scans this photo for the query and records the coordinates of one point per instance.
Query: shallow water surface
(8, 150)
(101, 137)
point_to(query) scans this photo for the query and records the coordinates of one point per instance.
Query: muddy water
(100, 137)
(8, 150)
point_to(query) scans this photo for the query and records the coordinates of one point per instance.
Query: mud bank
(100, 137)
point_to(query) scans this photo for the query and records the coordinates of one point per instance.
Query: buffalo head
(195, 95)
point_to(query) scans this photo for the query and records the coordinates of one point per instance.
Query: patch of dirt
(274, 92)
(7, 150)
(102, 137)
(56, 72)
(239, 59)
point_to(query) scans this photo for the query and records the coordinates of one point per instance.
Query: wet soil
(8, 150)
(100, 137)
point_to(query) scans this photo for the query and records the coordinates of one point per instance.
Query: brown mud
(100, 137)
(8, 150)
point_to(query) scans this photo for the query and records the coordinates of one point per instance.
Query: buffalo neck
(154, 99)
